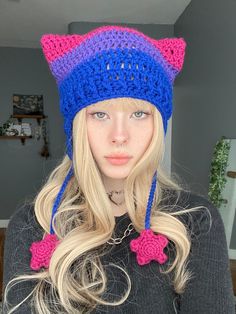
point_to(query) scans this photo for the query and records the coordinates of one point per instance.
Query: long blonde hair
(85, 221)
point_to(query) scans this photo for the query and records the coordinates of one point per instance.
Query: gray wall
(25, 71)
(205, 95)
(22, 168)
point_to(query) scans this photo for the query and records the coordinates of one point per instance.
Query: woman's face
(114, 128)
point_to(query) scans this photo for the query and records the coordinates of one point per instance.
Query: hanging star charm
(149, 246)
(42, 251)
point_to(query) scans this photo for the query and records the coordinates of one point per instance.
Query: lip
(117, 156)
(118, 161)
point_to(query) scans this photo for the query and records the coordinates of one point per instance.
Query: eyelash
(146, 113)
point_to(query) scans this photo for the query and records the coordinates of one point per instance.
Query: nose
(119, 138)
(119, 141)
(119, 132)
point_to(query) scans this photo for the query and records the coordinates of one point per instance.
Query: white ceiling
(22, 22)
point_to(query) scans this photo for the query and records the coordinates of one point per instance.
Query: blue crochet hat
(111, 62)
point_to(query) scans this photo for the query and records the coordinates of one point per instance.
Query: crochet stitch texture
(149, 246)
(110, 62)
(42, 251)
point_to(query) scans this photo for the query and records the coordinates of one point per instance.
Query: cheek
(145, 132)
(95, 140)
(143, 138)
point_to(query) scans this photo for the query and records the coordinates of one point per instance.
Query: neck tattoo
(116, 197)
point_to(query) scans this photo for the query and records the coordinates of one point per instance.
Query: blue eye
(93, 114)
(146, 113)
(103, 113)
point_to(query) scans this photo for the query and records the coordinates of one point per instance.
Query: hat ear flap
(173, 50)
(55, 45)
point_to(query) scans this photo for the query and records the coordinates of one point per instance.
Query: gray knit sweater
(210, 290)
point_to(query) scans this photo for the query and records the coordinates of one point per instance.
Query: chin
(116, 172)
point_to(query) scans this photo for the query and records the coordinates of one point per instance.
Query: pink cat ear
(55, 45)
(173, 50)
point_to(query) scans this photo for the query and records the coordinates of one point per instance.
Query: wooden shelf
(11, 137)
(39, 116)
(19, 117)
(231, 174)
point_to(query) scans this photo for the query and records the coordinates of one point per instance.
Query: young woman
(110, 230)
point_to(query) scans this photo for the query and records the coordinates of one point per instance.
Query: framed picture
(28, 104)
(26, 129)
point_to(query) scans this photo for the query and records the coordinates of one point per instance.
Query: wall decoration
(27, 104)
(5, 127)
(13, 130)
(45, 151)
(26, 129)
(27, 107)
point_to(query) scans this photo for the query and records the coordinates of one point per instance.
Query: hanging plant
(44, 151)
(217, 174)
(5, 126)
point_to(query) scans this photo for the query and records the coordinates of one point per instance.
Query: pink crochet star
(42, 251)
(149, 246)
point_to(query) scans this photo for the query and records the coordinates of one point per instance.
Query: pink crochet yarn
(55, 46)
(42, 251)
(149, 246)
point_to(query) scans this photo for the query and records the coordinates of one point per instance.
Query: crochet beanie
(111, 62)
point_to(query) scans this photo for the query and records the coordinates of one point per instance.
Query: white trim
(232, 254)
(4, 223)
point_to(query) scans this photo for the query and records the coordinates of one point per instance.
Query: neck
(115, 192)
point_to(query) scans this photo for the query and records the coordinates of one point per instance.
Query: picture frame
(27, 104)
